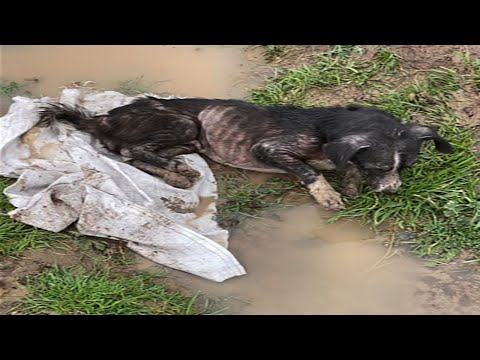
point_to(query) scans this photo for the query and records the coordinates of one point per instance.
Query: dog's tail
(78, 117)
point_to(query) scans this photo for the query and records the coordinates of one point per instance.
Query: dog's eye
(380, 168)
(385, 168)
(376, 167)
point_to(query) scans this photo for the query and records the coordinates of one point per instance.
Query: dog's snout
(389, 186)
(390, 190)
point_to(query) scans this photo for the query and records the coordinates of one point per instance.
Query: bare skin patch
(226, 142)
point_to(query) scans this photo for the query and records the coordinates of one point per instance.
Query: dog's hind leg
(179, 166)
(274, 153)
(161, 163)
(170, 177)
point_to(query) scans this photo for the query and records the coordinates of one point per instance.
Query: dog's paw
(177, 180)
(352, 182)
(171, 178)
(325, 195)
(188, 172)
(330, 200)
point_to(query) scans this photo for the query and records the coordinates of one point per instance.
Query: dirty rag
(67, 177)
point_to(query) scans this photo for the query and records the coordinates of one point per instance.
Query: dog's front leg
(274, 153)
(351, 176)
(325, 195)
(351, 181)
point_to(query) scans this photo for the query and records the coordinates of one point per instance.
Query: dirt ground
(412, 56)
(88, 253)
(448, 289)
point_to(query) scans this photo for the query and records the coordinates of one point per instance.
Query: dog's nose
(389, 187)
(389, 190)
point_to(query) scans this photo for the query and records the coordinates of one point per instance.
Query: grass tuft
(387, 61)
(16, 237)
(12, 88)
(133, 87)
(472, 68)
(344, 51)
(331, 69)
(62, 291)
(273, 52)
(243, 198)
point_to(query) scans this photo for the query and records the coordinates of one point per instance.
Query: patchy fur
(362, 142)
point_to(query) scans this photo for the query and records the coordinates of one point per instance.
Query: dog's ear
(340, 151)
(425, 133)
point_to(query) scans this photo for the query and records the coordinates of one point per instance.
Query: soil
(13, 271)
(412, 57)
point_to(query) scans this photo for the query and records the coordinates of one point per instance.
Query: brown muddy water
(183, 70)
(296, 263)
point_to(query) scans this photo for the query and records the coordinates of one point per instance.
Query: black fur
(271, 139)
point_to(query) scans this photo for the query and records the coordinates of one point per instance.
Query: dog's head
(382, 158)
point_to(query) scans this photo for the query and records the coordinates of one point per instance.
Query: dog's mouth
(388, 191)
(387, 185)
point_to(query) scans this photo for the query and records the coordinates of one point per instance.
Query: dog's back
(269, 139)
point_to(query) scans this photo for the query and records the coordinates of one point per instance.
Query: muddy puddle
(297, 264)
(183, 70)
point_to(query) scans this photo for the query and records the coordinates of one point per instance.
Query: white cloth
(65, 175)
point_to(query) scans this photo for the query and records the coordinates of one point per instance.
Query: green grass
(16, 237)
(386, 61)
(331, 69)
(12, 88)
(243, 198)
(472, 68)
(428, 98)
(443, 239)
(476, 73)
(133, 87)
(62, 291)
(344, 51)
(438, 199)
